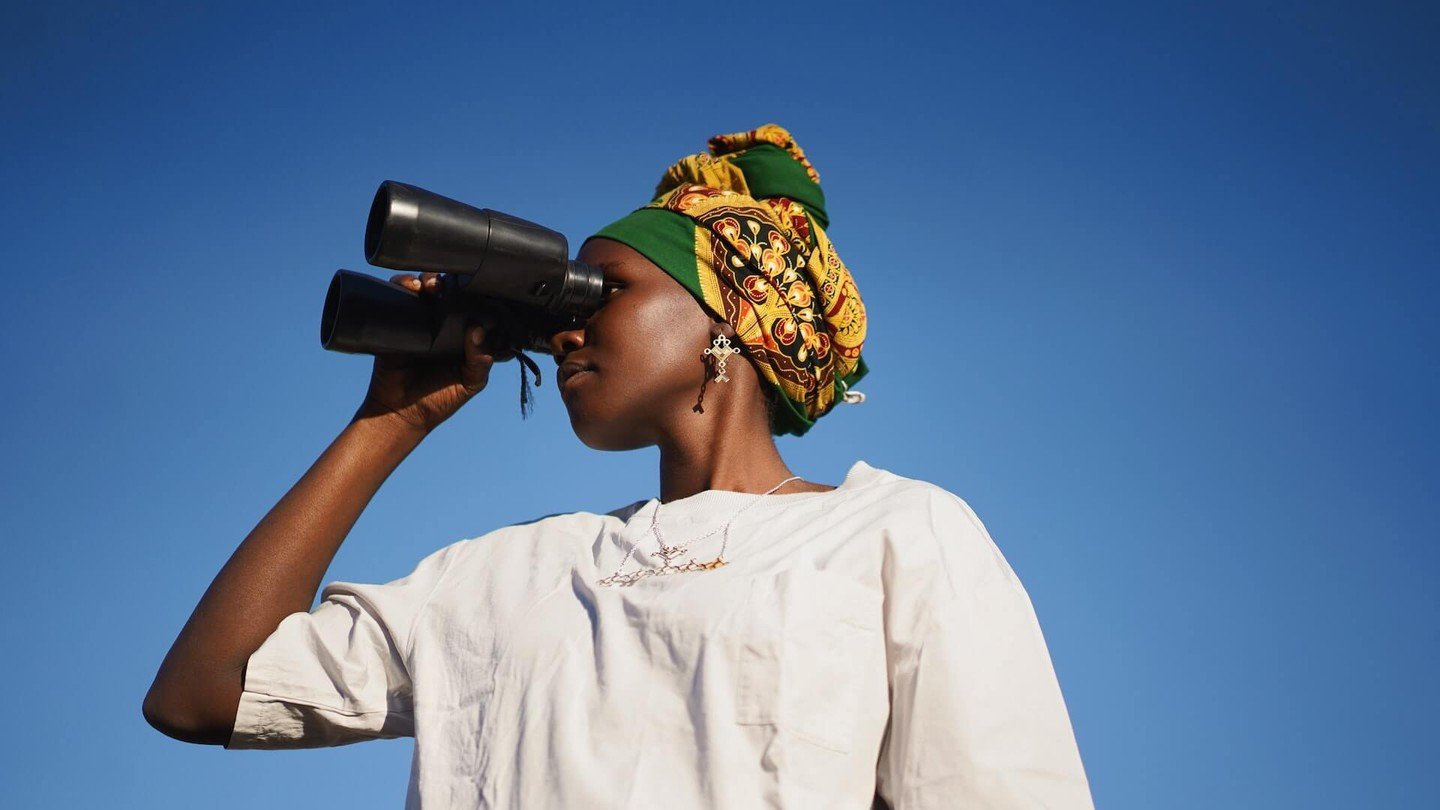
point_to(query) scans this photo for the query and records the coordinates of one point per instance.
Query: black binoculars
(501, 272)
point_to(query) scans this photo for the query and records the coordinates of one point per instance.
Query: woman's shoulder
(926, 523)
(544, 543)
(903, 494)
(581, 523)
(525, 534)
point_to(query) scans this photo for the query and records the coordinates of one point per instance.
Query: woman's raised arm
(278, 568)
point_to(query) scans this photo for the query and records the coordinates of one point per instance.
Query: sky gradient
(1152, 288)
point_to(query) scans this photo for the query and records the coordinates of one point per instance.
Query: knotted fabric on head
(743, 228)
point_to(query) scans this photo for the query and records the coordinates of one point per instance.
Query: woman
(748, 639)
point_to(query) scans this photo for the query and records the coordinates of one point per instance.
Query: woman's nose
(562, 343)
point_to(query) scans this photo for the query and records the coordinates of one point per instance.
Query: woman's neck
(684, 471)
(728, 447)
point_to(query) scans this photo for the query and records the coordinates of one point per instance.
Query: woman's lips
(568, 378)
(568, 368)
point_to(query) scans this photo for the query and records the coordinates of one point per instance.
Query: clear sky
(1153, 288)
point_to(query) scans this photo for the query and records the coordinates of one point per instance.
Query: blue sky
(1153, 287)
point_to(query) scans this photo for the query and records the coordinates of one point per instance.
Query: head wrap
(743, 229)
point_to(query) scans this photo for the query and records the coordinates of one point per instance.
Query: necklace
(669, 553)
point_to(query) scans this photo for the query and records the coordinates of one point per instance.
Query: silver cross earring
(720, 350)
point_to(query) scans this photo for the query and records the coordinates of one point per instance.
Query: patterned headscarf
(743, 228)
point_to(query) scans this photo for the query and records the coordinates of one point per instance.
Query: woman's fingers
(475, 370)
(423, 283)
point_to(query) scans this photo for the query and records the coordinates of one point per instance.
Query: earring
(720, 350)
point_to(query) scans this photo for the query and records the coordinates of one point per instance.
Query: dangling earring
(720, 350)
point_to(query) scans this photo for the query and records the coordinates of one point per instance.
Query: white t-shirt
(870, 640)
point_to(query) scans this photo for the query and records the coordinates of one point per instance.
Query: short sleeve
(977, 717)
(337, 674)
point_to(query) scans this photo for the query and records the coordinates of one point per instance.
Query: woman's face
(637, 366)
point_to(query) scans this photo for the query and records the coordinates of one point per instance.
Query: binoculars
(511, 276)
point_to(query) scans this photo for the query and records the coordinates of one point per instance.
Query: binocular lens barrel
(364, 315)
(505, 257)
(509, 274)
(410, 228)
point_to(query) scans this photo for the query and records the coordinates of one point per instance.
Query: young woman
(747, 639)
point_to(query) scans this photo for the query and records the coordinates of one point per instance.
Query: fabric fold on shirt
(868, 640)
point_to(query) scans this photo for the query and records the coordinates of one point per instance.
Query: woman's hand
(278, 568)
(420, 394)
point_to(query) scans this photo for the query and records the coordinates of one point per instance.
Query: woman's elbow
(184, 724)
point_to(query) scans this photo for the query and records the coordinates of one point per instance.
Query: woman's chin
(599, 431)
(610, 419)
(604, 439)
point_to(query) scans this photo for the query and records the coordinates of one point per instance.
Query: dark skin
(646, 348)
(644, 370)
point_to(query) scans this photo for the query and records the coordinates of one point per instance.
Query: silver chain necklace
(669, 553)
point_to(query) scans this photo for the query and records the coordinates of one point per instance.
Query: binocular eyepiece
(509, 275)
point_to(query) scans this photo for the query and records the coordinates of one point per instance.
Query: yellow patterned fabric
(765, 265)
(721, 172)
(777, 279)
